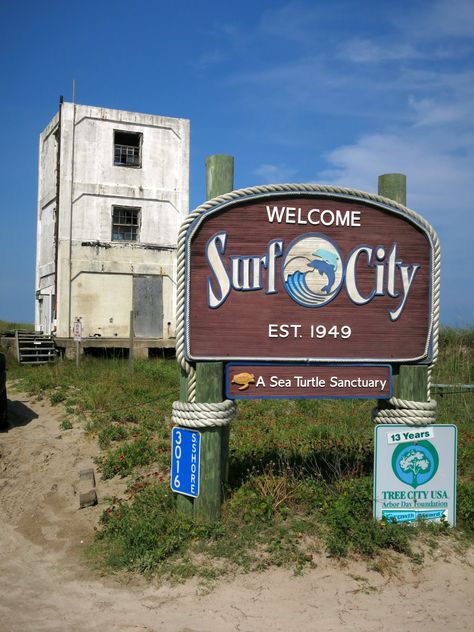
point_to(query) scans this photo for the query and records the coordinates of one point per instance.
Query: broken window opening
(125, 223)
(127, 149)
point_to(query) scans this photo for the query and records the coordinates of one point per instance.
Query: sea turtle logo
(312, 270)
(415, 463)
(243, 380)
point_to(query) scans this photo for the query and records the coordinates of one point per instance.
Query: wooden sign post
(410, 381)
(210, 388)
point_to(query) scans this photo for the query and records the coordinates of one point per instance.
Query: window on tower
(127, 149)
(125, 223)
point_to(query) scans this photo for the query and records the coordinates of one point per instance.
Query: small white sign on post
(77, 330)
(415, 473)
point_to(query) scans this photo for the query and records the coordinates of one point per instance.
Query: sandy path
(46, 587)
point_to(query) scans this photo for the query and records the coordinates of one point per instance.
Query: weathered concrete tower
(113, 191)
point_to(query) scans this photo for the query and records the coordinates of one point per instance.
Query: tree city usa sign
(309, 278)
(415, 473)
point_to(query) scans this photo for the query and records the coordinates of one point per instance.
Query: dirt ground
(46, 586)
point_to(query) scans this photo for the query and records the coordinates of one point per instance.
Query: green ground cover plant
(300, 480)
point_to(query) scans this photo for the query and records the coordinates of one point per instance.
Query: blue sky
(304, 91)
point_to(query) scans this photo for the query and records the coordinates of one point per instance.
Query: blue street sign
(185, 461)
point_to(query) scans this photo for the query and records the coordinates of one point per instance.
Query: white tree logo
(414, 462)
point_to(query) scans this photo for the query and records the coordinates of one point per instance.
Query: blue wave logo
(313, 270)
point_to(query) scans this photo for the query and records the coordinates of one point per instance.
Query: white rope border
(413, 413)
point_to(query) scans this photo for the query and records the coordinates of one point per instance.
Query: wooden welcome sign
(308, 277)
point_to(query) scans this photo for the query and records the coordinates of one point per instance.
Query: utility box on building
(113, 191)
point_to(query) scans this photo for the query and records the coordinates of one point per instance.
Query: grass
(6, 325)
(300, 479)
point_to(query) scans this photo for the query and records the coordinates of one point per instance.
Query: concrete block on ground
(88, 499)
(87, 491)
(87, 476)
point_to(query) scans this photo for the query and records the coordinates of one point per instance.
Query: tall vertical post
(214, 465)
(131, 342)
(214, 447)
(77, 331)
(210, 379)
(394, 186)
(410, 381)
(219, 175)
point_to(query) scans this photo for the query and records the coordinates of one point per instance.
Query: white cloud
(292, 21)
(437, 172)
(211, 57)
(427, 84)
(441, 18)
(271, 174)
(368, 51)
(439, 187)
(430, 31)
(432, 112)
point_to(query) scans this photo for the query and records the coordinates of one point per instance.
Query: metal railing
(127, 155)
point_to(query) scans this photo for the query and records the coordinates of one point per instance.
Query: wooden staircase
(34, 348)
